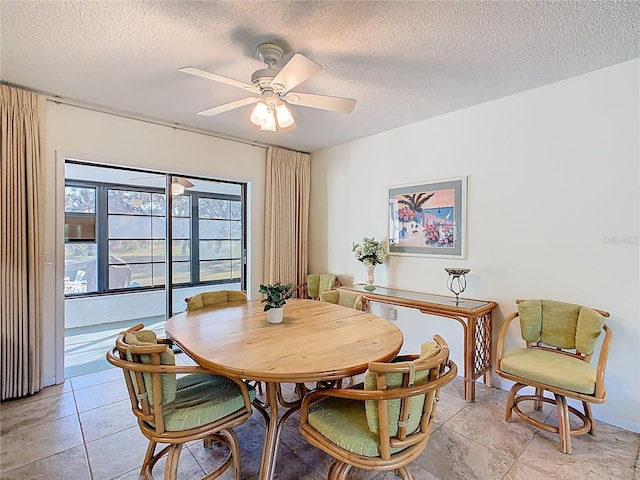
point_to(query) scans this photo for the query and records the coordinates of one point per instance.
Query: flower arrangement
(371, 251)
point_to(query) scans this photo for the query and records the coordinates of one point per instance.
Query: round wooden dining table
(316, 342)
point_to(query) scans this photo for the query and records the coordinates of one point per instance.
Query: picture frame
(429, 218)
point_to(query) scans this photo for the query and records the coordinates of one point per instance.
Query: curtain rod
(100, 109)
(175, 126)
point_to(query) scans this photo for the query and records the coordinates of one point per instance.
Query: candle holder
(457, 282)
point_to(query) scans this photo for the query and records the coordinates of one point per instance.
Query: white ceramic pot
(274, 315)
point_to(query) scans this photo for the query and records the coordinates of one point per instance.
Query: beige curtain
(288, 186)
(21, 258)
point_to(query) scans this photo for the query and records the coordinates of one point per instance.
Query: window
(115, 238)
(220, 238)
(80, 252)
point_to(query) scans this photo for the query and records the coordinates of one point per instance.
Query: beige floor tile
(24, 446)
(448, 406)
(97, 378)
(68, 465)
(188, 469)
(102, 421)
(418, 472)
(35, 410)
(449, 455)
(317, 460)
(484, 422)
(211, 458)
(610, 454)
(291, 467)
(100, 395)
(117, 454)
(521, 471)
(456, 387)
(608, 439)
(250, 439)
(54, 390)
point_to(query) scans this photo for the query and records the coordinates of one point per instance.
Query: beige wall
(553, 209)
(85, 134)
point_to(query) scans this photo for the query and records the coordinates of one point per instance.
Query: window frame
(102, 237)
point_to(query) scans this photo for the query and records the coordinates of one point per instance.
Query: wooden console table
(475, 316)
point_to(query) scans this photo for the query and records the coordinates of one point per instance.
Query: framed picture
(429, 218)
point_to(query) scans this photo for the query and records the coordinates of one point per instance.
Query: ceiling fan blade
(184, 182)
(219, 78)
(296, 71)
(229, 106)
(324, 102)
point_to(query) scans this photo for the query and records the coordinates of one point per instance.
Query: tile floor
(84, 347)
(84, 430)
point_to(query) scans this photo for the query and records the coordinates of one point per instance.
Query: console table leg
(488, 379)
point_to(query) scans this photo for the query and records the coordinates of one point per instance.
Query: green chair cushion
(313, 285)
(148, 337)
(394, 380)
(344, 422)
(202, 399)
(589, 328)
(327, 281)
(550, 368)
(559, 324)
(346, 299)
(207, 299)
(318, 283)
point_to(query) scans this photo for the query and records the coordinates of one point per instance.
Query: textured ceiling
(403, 61)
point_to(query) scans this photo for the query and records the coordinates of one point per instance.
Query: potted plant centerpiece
(277, 295)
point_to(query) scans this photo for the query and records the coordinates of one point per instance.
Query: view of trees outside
(136, 239)
(220, 238)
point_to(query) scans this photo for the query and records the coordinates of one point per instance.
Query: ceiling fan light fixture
(269, 124)
(259, 114)
(285, 119)
(176, 188)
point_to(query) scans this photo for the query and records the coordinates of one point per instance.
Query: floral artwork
(428, 219)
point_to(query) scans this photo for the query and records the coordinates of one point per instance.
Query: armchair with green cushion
(206, 299)
(173, 408)
(560, 341)
(340, 297)
(385, 425)
(316, 284)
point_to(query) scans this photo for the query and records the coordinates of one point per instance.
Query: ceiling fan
(178, 184)
(273, 89)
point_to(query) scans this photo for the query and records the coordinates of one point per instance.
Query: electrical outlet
(392, 314)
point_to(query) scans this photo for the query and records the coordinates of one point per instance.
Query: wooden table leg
(469, 357)
(273, 427)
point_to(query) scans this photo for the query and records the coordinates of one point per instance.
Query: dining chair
(179, 404)
(560, 342)
(341, 297)
(316, 284)
(385, 423)
(206, 299)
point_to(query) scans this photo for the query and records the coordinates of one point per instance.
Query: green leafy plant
(277, 295)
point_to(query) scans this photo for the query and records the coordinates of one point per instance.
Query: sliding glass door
(138, 243)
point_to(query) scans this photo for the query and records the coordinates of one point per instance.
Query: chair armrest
(602, 362)
(359, 394)
(503, 332)
(302, 287)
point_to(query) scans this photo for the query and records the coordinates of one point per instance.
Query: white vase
(370, 269)
(274, 315)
